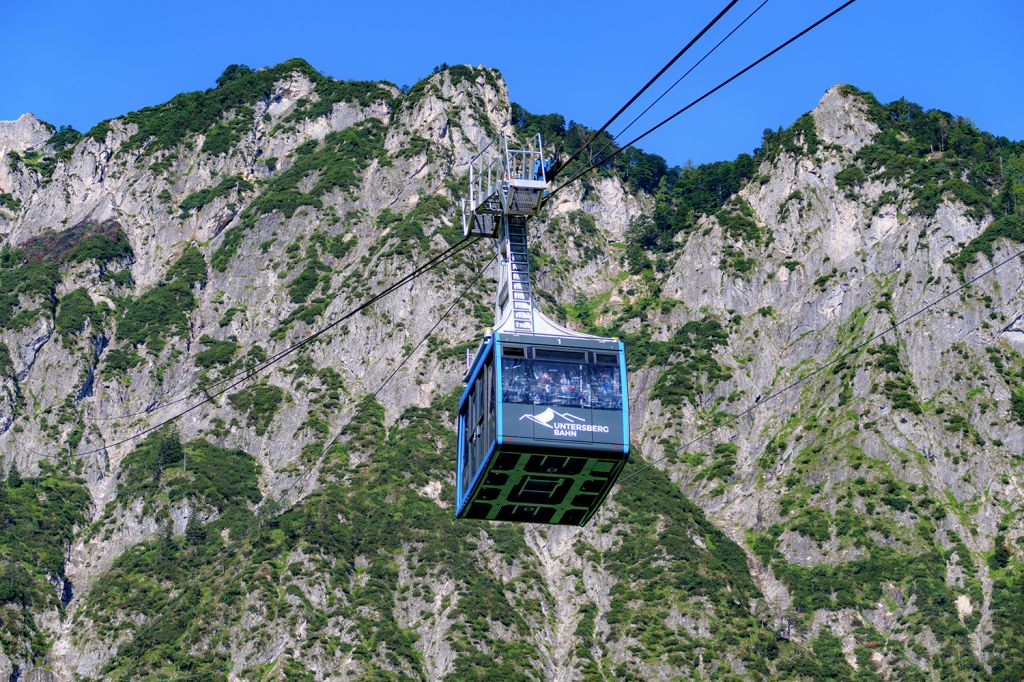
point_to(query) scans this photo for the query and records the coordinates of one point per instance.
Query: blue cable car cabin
(543, 428)
(544, 419)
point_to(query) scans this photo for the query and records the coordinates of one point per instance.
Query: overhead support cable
(204, 390)
(700, 99)
(821, 368)
(554, 173)
(245, 376)
(681, 78)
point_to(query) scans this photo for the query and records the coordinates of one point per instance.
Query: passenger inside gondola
(516, 381)
(565, 384)
(544, 388)
(608, 395)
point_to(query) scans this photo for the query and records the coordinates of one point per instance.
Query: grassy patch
(217, 352)
(9, 201)
(1008, 227)
(225, 134)
(20, 277)
(197, 200)
(161, 466)
(74, 310)
(696, 370)
(899, 387)
(260, 403)
(162, 312)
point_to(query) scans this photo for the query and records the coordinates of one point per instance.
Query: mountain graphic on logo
(547, 416)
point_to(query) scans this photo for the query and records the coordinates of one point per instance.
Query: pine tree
(195, 533)
(169, 452)
(1000, 556)
(5, 503)
(166, 547)
(14, 477)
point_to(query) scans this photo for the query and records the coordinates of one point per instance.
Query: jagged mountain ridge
(249, 235)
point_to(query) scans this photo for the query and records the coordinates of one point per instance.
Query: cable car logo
(545, 417)
(570, 426)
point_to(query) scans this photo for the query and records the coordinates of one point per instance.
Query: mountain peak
(23, 133)
(841, 118)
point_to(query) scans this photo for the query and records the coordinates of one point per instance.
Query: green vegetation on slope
(337, 569)
(18, 278)
(217, 351)
(225, 134)
(74, 310)
(102, 243)
(684, 195)
(35, 161)
(260, 403)
(238, 88)
(38, 519)
(1009, 227)
(407, 234)
(1007, 610)
(347, 538)
(33, 269)
(200, 198)
(899, 386)
(668, 558)
(696, 368)
(64, 138)
(937, 154)
(940, 156)
(162, 312)
(8, 201)
(336, 164)
(163, 469)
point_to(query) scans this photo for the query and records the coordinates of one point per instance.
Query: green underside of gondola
(562, 489)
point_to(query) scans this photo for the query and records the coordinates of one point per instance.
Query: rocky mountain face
(862, 524)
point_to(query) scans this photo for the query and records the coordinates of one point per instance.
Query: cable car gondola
(544, 418)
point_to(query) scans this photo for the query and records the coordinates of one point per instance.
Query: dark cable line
(641, 91)
(734, 418)
(211, 396)
(408, 277)
(394, 372)
(707, 94)
(680, 79)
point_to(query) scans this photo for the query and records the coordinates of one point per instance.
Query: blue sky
(79, 63)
